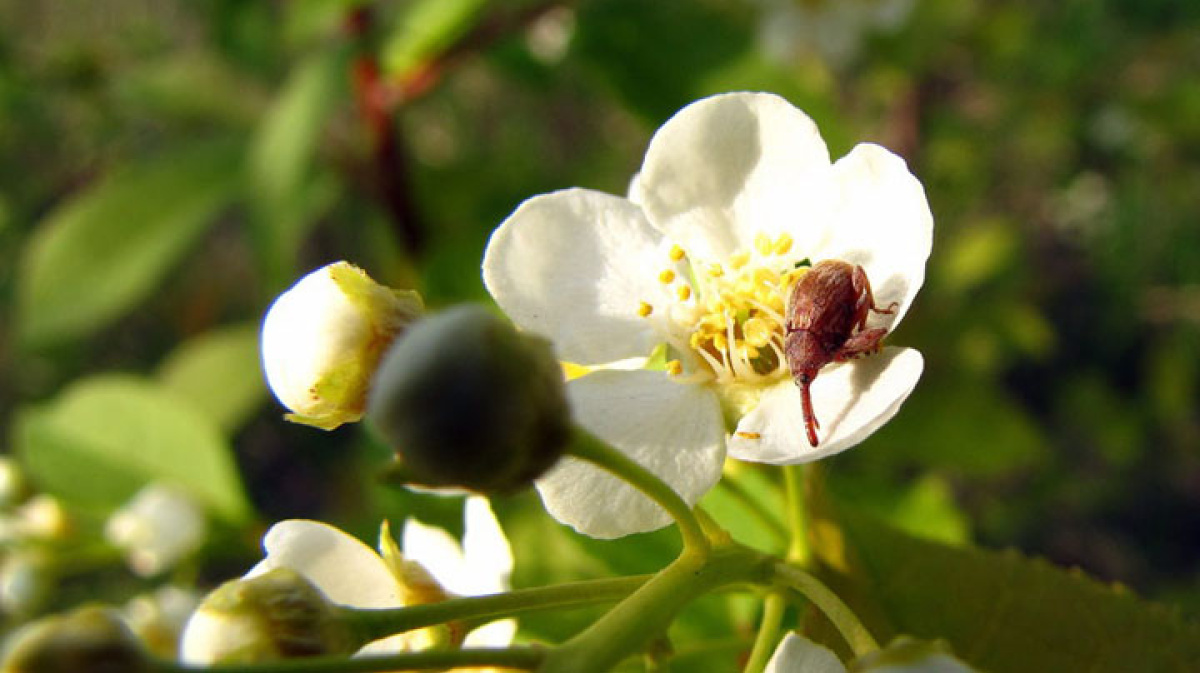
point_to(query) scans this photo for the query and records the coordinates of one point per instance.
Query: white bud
(323, 338)
(276, 615)
(157, 528)
(157, 618)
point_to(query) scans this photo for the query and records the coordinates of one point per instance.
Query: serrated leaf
(219, 372)
(105, 437)
(999, 610)
(104, 250)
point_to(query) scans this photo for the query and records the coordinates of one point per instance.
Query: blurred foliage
(167, 167)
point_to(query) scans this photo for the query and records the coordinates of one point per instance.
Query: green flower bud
(322, 339)
(92, 639)
(276, 615)
(467, 401)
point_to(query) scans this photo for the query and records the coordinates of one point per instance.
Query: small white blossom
(157, 528)
(323, 338)
(796, 654)
(350, 573)
(157, 618)
(736, 191)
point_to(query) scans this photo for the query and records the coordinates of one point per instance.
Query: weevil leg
(862, 343)
(810, 418)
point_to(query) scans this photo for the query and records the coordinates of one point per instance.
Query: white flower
(735, 192)
(323, 338)
(796, 654)
(157, 528)
(830, 29)
(349, 572)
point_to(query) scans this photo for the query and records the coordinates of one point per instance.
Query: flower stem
(768, 633)
(840, 614)
(588, 447)
(521, 658)
(377, 623)
(645, 615)
(794, 482)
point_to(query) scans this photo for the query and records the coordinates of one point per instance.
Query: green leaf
(105, 437)
(999, 610)
(218, 372)
(103, 251)
(425, 30)
(286, 194)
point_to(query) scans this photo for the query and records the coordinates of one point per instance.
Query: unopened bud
(276, 615)
(89, 639)
(157, 528)
(467, 401)
(323, 338)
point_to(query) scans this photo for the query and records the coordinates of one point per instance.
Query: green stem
(842, 617)
(793, 476)
(521, 658)
(768, 633)
(589, 448)
(376, 624)
(645, 615)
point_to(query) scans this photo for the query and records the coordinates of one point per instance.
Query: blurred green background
(168, 167)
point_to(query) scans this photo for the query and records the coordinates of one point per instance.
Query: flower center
(725, 321)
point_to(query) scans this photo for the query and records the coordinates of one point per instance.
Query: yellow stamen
(762, 243)
(684, 292)
(783, 244)
(644, 309)
(676, 253)
(748, 435)
(674, 367)
(716, 270)
(666, 276)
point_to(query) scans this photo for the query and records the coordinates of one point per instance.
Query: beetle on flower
(735, 199)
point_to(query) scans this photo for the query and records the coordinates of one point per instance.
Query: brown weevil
(826, 322)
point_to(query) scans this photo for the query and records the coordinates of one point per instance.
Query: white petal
(674, 430)
(437, 551)
(493, 634)
(727, 167)
(348, 571)
(574, 266)
(797, 654)
(884, 224)
(851, 400)
(488, 555)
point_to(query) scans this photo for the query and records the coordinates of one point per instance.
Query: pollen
(748, 435)
(644, 310)
(729, 315)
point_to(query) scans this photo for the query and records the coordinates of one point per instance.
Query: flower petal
(851, 400)
(674, 430)
(437, 552)
(797, 654)
(488, 556)
(727, 167)
(348, 571)
(499, 633)
(575, 265)
(883, 223)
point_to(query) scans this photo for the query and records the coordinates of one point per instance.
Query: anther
(674, 367)
(676, 253)
(684, 292)
(783, 244)
(666, 276)
(644, 309)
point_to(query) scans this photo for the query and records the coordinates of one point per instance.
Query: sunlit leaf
(1000, 611)
(286, 194)
(103, 251)
(106, 436)
(427, 28)
(219, 372)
